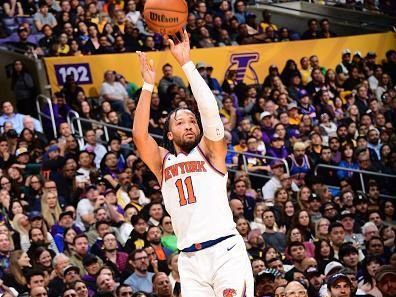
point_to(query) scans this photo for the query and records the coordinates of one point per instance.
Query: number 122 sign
(81, 73)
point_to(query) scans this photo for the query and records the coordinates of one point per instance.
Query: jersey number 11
(183, 200)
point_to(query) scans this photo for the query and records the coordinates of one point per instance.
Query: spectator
(44, 17)
(141, 279)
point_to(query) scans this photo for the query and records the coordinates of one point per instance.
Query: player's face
(184, 131)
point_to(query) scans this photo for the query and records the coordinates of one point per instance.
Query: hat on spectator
(89, 260)
(384, 270)
(276, 164)
(21, 151)
(294, 133)
(100, 181)
(109, 191)
(273, 67)
(291, 106)
(313, 197)
(251, 15)
(200, 65)
(346, 52)
(91, 187)
(265, 114)
(70, 268)
(267, 273)
(35, 215)
(311, 272)
(66, 213)
(21, 29)
(357, 53)
(371, 54)
(302, 93)
(346, 214)
(335, 278)
(53, 148)
(331, 267)
(209, 66)
(275, 136)
(360, 198)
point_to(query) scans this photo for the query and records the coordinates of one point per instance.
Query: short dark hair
(133, 254)
(373, 238)
(294, 244)
(34, 272)
(335, 225)
(120, 287)
(78, 236)
(346, 249)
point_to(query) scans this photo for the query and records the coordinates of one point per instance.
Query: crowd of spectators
(83, 217)
(75, 28)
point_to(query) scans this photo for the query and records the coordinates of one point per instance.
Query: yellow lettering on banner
(250, 61)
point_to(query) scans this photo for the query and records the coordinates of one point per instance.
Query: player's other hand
(146, 68)
(180, 49)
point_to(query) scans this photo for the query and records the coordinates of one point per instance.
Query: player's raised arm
(148, 149)
(213, 142)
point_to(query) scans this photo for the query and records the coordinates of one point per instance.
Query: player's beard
(187, 145)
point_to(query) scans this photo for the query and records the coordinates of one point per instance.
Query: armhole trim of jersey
(208, 161)
(162, 167)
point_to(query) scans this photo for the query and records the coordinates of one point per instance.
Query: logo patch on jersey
(229, 293)
(184, 167)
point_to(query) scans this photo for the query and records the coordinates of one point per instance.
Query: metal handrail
(40, 113)
(360, 171)
(71, 115)
(244, 154)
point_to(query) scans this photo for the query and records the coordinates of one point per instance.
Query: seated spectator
(16, 119)
(113, 91)
(44, 17)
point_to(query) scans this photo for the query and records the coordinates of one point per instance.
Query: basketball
(165, 16)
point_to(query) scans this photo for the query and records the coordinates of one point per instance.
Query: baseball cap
(294, 133)
(265, 114)
(291, 106)
(275, 136)
(65, 213)
(332, 280)
(90, 187)
(360, 198)
(21, 29)
(277, 163)
(200, 65)
(302, 93)
(371, 54)
(268, 273)
(21, 151)
(332, 266)
(35, 215)
(70, 268)
(313, 197)
(345, 214)
(53, 148)
(311, 272)
(108, 191)
(346, 51)
(384, 270)
(357, 53)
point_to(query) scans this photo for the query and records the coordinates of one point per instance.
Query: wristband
(148, 87)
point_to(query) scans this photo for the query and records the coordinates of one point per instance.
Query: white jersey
(195, 196)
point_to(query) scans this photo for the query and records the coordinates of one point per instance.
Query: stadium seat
(10, 25)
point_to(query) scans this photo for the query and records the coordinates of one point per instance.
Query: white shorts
(222, 270)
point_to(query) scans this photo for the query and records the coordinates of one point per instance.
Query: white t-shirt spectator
(84, 207)
(133, 16)
(116, 90)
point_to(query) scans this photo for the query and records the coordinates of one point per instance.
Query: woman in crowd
(50, 208)
(324, 253)
(34, 191)
(257, 222)
(243, 227)
(293, 235)
(367, 281)
(322, 229)
(347, 161)
(21, 225)
(16, 277)
(42, 259)
(303, 197)
(302, 221)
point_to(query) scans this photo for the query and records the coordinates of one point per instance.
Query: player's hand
(146, 68)
(180, 50)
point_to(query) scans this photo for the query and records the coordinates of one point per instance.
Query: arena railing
(361, 173)
(41, 114)
(74, 118)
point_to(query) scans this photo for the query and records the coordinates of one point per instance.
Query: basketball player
(193, 175)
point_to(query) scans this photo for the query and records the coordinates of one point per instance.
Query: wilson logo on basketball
(229, 293)
(162, 18)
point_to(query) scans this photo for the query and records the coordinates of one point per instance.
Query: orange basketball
(165, 16)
